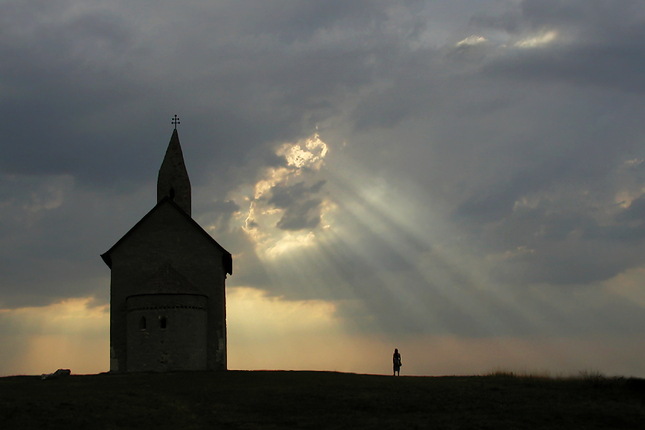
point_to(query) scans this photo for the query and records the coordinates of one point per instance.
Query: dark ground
(319, 400)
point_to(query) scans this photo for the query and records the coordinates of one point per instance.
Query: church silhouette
(167, 284)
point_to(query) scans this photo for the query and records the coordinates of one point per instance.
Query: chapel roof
(227, 260)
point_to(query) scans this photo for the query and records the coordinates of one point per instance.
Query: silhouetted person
(396, 361)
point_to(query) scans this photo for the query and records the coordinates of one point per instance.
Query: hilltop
(318, 400)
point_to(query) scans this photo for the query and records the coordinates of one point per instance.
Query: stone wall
(166, 332)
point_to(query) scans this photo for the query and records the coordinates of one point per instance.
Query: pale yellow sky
(269, 333)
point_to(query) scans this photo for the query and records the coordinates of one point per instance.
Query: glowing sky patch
(69, 334)
(629, 285)
(254, 315)
(538, 40)
(290, 243)
(472, 40)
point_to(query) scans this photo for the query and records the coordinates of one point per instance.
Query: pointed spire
(173, 177)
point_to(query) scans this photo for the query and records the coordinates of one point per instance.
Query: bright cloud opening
(472, 40)
(537, 41)
(287, 203)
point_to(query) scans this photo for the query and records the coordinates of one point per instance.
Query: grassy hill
(319, 400)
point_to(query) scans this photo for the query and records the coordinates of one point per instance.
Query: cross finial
(175, 121)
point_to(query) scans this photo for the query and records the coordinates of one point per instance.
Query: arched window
(163, 322)
(142, 323)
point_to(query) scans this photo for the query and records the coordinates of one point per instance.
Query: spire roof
(173, 181)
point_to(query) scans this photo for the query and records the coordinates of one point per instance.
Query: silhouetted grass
(320, 400)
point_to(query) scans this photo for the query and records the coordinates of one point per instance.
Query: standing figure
(396, 361)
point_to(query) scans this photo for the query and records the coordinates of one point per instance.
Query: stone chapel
(168, 299)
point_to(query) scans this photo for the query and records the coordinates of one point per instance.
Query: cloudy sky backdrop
(459, 179)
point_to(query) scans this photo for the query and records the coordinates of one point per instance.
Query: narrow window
(172, 194)
(162, 322)
(142, 323)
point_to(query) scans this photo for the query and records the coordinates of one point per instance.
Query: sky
(463, 180)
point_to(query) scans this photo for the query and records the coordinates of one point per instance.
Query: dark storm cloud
(292, 21)
(554, 245)
(59, 79)
(603, 43)
(574, 161)
(601, 20)
(77, 80)
(606, 20)
(509, 21)
(635, 211)
(616, 67)
(51, 235)
(304, 215)
(218, 214)
(568, 264)
(600, 52)
(302, 210)
(566, 241)
(283, 196)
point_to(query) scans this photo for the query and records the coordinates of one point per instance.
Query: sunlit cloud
(309, 153)
(472, 40)
(291, 242)
(538, 40)
(629, 188)
(284, 211)
(43, 197)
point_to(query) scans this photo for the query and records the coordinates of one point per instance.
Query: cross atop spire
(175, 121)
